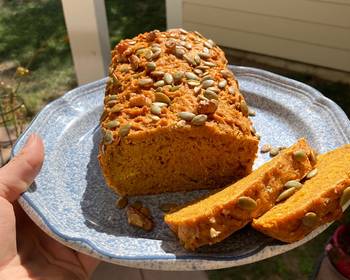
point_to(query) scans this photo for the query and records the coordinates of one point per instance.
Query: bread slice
(316, 203)
(173, 119)
(217, 216)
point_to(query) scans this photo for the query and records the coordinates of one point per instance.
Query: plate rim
(167, 260)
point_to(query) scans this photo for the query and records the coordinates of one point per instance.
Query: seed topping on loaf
(162, 78)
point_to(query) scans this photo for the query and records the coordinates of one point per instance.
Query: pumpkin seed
(207, 83)
(112, 124)
(188, 46)
(299, 155)
(204, 55)
(122, 202)
(246, 203)
(190, 59)
(198, 34)
(167, 207)
(274, 152)
(157, 74)
(156, 48)
(108, 137)
(103, 116)
(191, 76)
(231, 89)
(146, 82)
(199, 120)
(124, 130)
(206, 77)
(206, 50)
(159, 83)
(253, 130)
(183, 31)
(310, 219)
(112, 97)
(193, 83)
(293, 184)
(208, 44)
(148, 54)
(134, 62)
(140, 51)
(170, 44)
(116, 109)
(203, 67)
(214, 233)
(156, 54)
(180, 123)
(174, 88)
(178, 76)
(187, 116)
(200, 97)
(124, 69)
(251, 112)
(168, 78)
(209, 63)
(198, 71)
(155, 45)
(285, 194)
(345, 197)
(155, 118)
(216, 90)
(210, 41)
(222, 84)
(210, 94)
(156, 110)
(197, 59)
(312, 173)
(265, 148)
(226, 73)
(132, 43)
(161, 97)
(244, 108)
(150, 66)
(161, 104)
(112, 102)
(179, 52)
(197, 89)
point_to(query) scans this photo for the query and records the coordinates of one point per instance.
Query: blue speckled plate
(71, 202)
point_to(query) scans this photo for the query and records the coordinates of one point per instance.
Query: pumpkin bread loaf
(173, 119)
(318, 202)
(215, 217)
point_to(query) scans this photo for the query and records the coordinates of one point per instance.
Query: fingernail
(31, 140)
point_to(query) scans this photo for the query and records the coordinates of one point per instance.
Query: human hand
(26, 252)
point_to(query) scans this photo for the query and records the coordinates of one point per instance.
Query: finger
(7, 232)
(19, 173)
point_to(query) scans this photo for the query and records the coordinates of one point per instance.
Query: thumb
(19, 173)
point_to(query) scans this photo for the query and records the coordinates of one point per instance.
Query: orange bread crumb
(316, 203)
(217, 216)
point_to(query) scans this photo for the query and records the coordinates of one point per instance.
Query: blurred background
(43, 51)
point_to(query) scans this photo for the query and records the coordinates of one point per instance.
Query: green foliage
(127, 18)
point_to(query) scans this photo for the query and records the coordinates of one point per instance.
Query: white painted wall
(311, 31)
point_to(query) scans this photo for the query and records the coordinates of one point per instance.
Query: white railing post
(87, 28)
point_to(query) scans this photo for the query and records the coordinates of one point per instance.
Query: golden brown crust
(217, 216)
(320, 195)
(154, 77)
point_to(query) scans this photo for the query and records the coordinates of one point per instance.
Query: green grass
(32, 25)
